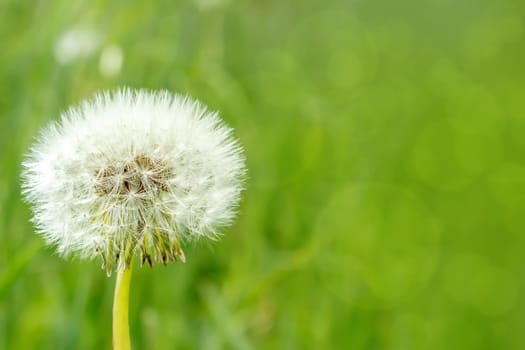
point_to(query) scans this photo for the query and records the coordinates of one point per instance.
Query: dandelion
(133, 173)
(110, 63)
(76, 43)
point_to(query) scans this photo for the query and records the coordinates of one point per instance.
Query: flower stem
(120, 310)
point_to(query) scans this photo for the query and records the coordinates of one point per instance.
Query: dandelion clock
(132, 174)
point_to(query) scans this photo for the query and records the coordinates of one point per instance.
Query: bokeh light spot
(384, 236)
(472, 281)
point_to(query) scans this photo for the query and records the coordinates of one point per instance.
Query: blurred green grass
(385, 204)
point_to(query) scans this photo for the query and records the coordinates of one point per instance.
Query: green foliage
(385, 204)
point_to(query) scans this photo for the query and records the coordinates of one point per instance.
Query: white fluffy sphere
(133, 173)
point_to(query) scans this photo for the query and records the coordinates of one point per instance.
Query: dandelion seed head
(110, 63)
(76, 43)
(133, 173)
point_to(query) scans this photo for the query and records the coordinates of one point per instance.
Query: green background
(385, 200)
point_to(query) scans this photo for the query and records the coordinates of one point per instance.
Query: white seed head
(133, 173)
(76, 43)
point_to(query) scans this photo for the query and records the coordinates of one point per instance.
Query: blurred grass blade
(17, 265)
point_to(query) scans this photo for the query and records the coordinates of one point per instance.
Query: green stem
(120, 310)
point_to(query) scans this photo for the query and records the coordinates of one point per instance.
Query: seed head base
(142, 178)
